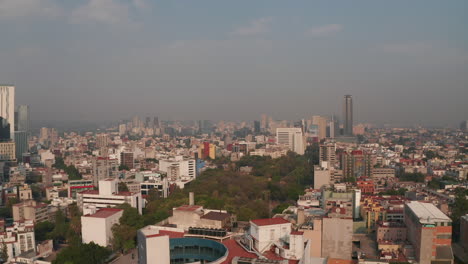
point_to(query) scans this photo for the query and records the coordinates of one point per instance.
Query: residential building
(430, 233)
(127, 159)
(18, 238)
(7, 151)
(327, 153)
(103, 168)
(30, 210)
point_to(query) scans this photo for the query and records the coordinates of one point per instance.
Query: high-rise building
(103, 168)
(257, 126)
(23, 118)
(102, 140)
(357, 164)
(4, 130)
(22, 144)
(464, 125)
(328, 154)
(321, 123)
(348, 115)
(7, 107)
(292, 137)
(126, 159)
(430, 232)
(156, 122)
(7, 151)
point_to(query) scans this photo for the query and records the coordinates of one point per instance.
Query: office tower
(321, 123)
(23, 118)
(122, 129)
(257, 127)
(156, 122)
(464, 125)
(327, 153)
(348, 115)
(4, 130)
(7, 107)
(22, 144)
(292, 137)
(264, 123)
(333, 127)
(430, 232)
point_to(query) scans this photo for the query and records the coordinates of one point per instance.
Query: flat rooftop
(105, 212)
(428, 213)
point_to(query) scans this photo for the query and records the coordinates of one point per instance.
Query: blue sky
(94, 60)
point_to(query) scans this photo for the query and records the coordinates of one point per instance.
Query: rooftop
(427, 213)
(105, 212)
(269, 221)
(188, 208)
(218, 216)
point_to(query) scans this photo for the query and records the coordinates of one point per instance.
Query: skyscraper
(7, 107)
(348, 115)
(23, 118)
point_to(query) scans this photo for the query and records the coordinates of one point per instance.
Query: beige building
(337, 237)
(30, 210)
(321, 123)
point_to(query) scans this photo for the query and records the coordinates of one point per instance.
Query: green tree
(42, 229)
(83, 254)
(4, 253)
(123, 187)
(123, 167)
(459, 208)
(124, 233)
(59, 233)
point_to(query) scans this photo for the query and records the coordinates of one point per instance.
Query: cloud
(256, 27)
(406, 48)
(11, 9)
(324, 30)
(103, 11)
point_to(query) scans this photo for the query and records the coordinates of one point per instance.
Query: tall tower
(348, 115)
(7, 107)
(23, 118)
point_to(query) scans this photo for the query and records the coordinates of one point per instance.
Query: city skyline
(99, 60)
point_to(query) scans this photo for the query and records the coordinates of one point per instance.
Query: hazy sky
(403, 61)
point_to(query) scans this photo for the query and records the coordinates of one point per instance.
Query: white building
(7, 107)
(19, 238)
(150, 238)
(97, 227)
(276, 232)
(179, 168)
(108, 196)
(292, 137)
